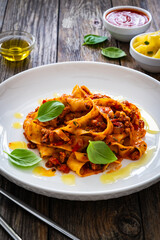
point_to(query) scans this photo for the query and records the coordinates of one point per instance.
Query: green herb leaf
(49, 110)
(99, 153)
(113, 52)
(146, 42)
(91, 39)
(150, 52)
(23, 157)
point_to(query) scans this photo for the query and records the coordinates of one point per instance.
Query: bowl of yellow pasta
(145, 49)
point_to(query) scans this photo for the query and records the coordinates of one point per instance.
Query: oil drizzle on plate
(150, 124)
(56, 95)
(68, 179)
(17, 144)
(40, 101)
(126, 171)
(17, 125)
(41, 171)
(18, 115)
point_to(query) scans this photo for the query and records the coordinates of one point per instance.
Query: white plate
(21, 93)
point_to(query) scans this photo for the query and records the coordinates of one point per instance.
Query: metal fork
(37, 214)
(12, 233)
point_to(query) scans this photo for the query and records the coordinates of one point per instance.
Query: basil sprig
(23, 157)
(91, 39)
(99, 153)
(50, 110)
(113, 52)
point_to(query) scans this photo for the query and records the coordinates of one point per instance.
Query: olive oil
(15, 48)
(41, 171)
(68, 179)
(17, 144)
(18, 115)
(17, 125)
(126, 171)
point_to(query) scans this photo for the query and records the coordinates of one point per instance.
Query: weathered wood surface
(59, 27)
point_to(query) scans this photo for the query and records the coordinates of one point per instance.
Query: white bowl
(149, 64)
(125, 34)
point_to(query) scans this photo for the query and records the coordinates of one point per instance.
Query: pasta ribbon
(86, 117)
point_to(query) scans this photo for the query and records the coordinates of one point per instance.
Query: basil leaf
(113, 52)
(23, 157)
(91, 39)
(99, 153)
(50, 110)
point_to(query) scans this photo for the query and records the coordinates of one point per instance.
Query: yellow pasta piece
(148, 44)
(87, 117)
(157, 55)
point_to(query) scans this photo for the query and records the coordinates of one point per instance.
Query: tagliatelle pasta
(86, 117)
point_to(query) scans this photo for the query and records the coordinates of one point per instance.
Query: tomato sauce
(127, 18)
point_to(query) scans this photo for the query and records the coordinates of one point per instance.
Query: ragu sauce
(127, 18)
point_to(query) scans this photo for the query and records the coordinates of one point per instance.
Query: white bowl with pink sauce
(125, 22)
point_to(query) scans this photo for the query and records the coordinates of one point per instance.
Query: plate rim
(70, 195)
(77, 62)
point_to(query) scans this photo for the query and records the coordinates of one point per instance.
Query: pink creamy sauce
(127, 18)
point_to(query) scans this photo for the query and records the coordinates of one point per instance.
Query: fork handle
(9, 229)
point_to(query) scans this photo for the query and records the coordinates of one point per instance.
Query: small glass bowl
(16, 45)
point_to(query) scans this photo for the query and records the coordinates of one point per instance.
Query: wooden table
(59, 27)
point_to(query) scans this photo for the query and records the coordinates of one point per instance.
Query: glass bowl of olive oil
(16, 45)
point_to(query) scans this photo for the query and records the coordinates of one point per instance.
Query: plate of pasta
(80, 130)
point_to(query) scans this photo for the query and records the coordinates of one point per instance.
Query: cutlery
(9, 229)
(38, 215)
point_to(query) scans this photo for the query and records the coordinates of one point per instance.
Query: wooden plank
(153, 8)
(150, 208)
(149, 202)
(3, 5)
(77, 19)
(40, 19)
(111, 219)
(26, 225)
